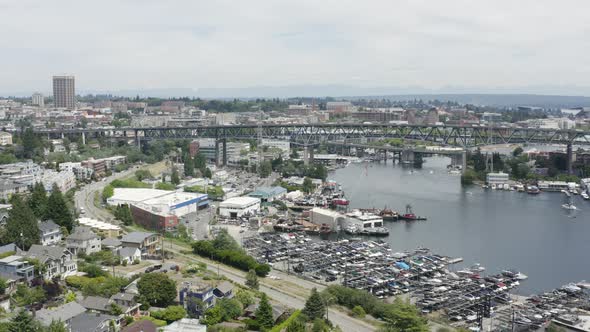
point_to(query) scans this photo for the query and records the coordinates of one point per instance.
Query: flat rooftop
(137, 194)
(239, 201)
(93, 223)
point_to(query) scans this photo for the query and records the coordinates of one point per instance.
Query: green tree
(265, 169)
(297, 325)
(314, 306)
(143, 174)
(23, 322)
(207, 173)
(517, 152)
(58, 210)
(38, 200)
(107, 192)
(30, 143)
(212, 316)
(264, 313)
(252, 280)
(2, 286)
(157, 288)
(123, 213)
(245, 297)
(175, 178)
(56, 326)
(70, 297)
(307, 185)
(320, 325)
(555, 328)
(404, 317)
(21, 227)
(170, 314)
(230, 308)
(358, 311)
(189, 166)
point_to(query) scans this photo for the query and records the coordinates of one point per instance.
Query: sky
(537, 46)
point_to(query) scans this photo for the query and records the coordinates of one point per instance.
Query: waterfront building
(64, 92)
(268, 194)
(320, 216)
(495, 179)
(235, 207)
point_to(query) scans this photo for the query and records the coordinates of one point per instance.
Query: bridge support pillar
(217, 152)
(137, 139)
(385, 156)
(463, 161)
(570, 159)
(83, 138)
(224, 151)
(407, 157)
(307, 155)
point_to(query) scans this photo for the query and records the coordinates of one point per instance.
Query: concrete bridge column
(407, 156)
(307, 155)
(570, 159)
(224, 154)
(217, 152)
(137, 139)
(385, 156)
(83, 138)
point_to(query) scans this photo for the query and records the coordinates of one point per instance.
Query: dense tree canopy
(157, 288)
(58, 210)
(22, 227)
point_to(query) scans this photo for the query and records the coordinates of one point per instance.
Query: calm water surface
(499, 229)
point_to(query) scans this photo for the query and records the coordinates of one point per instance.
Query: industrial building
(158, 209)
(319, 216)
(268, 194)
(236, 207)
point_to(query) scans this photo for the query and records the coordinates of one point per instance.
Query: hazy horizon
(228, 49)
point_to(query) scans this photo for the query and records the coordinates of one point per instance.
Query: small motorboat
(569, 206)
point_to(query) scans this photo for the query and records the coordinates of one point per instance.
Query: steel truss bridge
(461, 136)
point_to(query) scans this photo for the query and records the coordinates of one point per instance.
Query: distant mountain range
(543, 96)
(573, 97)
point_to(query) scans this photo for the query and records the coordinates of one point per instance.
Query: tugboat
(388, 215)
(409, 215)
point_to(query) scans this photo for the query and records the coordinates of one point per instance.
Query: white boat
(569, 206)
(567, 193)
(585, 195)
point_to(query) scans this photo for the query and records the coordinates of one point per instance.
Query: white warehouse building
(236, 207)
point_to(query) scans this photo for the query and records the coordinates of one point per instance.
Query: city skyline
(221, 48)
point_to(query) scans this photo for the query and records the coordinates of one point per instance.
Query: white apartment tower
(38, 99)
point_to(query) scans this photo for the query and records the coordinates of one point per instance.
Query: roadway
(84, 198)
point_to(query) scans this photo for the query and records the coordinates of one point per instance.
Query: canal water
(498, 229)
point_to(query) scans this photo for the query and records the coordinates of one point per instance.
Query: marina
(518, 227)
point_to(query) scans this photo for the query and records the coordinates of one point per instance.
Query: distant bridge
(461, 136)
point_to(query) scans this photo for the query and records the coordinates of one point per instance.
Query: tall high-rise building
(64, 91)
(38, 99)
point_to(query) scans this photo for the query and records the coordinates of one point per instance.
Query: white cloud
(139, 44)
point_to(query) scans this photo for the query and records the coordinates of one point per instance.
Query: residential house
(224, 290)
(11, 247)
(126, 302)
(129, 255)
(141, 326)
(59, 261)
(83, 240)
(16, 268)
(95, 322)
(63, 313)
(49, 233)
(111, 244)
(147, 243)
(9, 188)
(185, 325)
(191, 294)
(5, 138)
